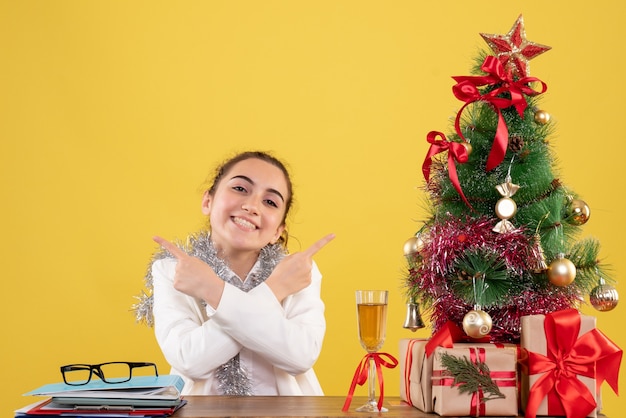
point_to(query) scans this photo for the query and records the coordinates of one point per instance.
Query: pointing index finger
(318, 245)
(171, 248)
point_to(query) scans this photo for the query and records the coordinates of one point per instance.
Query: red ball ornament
(561, 271)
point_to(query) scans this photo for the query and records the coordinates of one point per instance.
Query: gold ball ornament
(413, 245)
(561, 272)
(604, 297)
(542, 117)
(578, 212)
(477, 323)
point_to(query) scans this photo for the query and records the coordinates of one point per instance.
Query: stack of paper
(145, 396)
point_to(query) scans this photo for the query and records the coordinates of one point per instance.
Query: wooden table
(289, 406)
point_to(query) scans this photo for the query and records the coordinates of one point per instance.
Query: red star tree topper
(513, 50)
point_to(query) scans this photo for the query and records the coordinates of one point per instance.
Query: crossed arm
(288, 332)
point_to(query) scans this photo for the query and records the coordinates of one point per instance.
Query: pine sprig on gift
(471, 377)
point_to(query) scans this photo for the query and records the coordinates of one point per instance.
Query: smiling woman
(213, 295)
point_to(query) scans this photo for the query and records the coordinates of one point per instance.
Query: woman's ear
(206, 203)
(279, 233)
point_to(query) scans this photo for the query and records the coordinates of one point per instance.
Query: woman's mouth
(244, 223)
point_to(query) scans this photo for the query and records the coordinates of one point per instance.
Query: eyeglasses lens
(77, 374)
(115, 372)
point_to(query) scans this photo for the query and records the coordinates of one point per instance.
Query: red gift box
(447, 397)
(567, 361)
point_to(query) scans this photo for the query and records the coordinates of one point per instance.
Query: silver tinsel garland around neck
(233, 380)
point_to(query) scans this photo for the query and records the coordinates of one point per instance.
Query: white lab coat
(278, 344)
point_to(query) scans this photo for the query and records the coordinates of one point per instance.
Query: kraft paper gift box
(560, 376)
(447, 399)
(533, 338)
(415, 373)
(416, 368)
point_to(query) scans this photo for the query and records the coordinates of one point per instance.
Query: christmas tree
(502, 236)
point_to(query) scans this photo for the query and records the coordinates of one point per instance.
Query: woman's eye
(239, 188)
(271, 203)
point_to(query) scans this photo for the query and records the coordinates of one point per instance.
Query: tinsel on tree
(501, 239)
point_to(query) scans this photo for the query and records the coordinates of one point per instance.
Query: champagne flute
(372, 320)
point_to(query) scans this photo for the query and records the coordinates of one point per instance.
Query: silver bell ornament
(413, 320)
(603, 297)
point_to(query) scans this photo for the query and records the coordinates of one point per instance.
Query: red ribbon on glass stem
(467, 91)
(591, 355)
(456, 152)
(362, 372)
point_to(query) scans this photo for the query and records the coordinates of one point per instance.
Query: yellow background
(112, 113)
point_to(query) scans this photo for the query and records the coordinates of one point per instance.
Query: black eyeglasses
(112, 372)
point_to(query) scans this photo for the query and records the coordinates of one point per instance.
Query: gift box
(449, 400)
(415, 373)
(566, 361)
(416, 365)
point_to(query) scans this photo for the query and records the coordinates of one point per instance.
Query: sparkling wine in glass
(372, 321)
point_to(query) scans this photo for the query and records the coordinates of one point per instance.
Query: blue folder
(162, 387)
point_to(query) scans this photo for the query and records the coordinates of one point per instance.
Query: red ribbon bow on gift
(447, 335)
(467, 91)
(591, 355)
(456, 152)
(362, 372)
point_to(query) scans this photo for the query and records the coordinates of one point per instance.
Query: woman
(233, 314)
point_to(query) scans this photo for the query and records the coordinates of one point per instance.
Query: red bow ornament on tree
(592, 355)
(456, 152)
(467, 91)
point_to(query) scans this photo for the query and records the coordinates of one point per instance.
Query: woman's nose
(250, 206)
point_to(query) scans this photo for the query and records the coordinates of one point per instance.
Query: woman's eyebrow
(249, 180)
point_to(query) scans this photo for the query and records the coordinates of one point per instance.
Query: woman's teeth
(244, 223)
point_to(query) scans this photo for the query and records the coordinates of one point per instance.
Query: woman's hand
(293, 273)
(193, 276)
